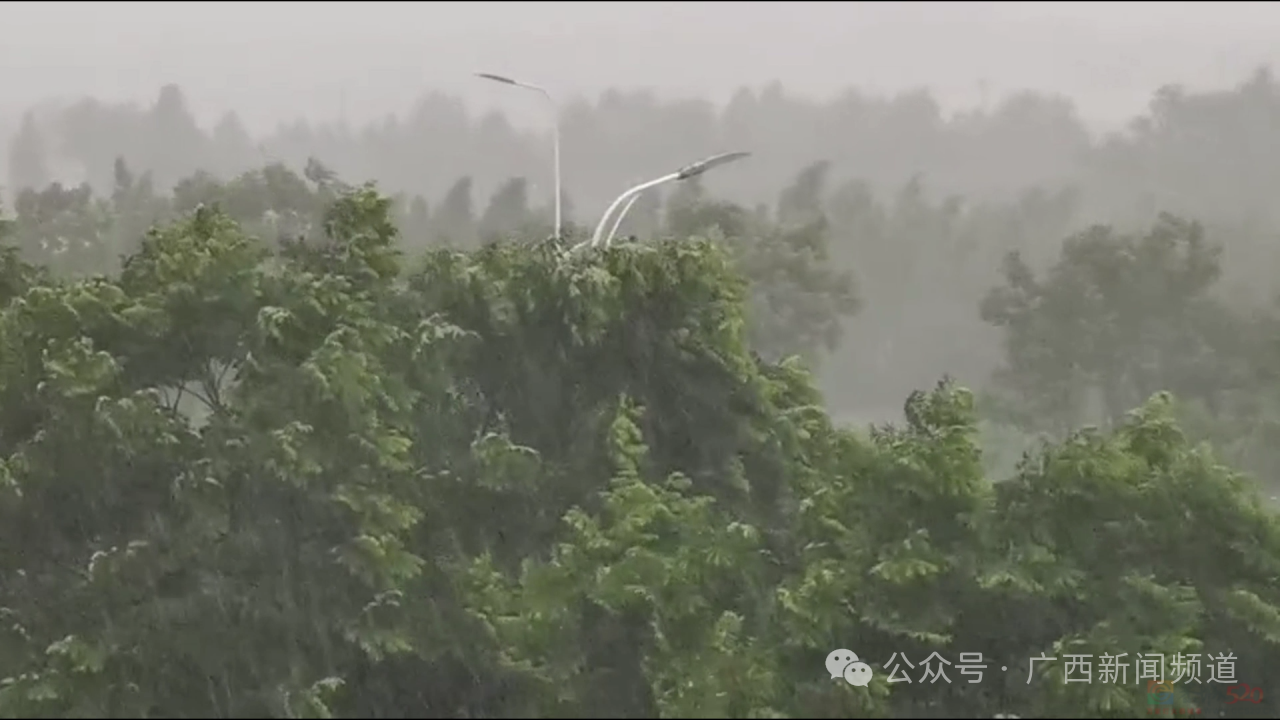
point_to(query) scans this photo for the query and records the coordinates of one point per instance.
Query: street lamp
(555, 129)
(608, 240)
(684, 173)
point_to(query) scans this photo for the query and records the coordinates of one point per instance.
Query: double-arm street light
(608, 239)
(555, 129)
(684, 173)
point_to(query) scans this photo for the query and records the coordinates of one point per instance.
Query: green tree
(135, 207)
(66, 229)
(804, 201)
(799, 300)
(507, 212)
(455, 220)
(177, 146)
(1116, 319)
(242, 476)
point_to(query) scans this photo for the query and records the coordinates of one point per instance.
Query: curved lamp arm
(629, 194)
(684, 173)
(555, 131)
(621, 214)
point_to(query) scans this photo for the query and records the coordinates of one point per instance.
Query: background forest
(275, 442)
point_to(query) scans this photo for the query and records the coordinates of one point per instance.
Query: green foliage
(455, 220)
(66, 229)
(508, 210)
(798, 299)
(1120, 317)
(922, 203)
(515, 482)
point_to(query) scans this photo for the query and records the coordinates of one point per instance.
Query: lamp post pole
(608, 239)
(555, 130)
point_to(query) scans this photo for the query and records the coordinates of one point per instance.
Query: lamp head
(497, 78)
(702, 166)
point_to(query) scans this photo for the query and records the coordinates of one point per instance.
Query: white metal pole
(555, 133)
(599, 233)
(621, 214)
(684, 173)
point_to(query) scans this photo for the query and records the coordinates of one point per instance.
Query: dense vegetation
(275, 445)
(922, 204)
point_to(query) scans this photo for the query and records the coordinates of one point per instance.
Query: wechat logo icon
(844, 664)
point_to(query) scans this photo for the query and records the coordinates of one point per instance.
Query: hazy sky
(275, 61)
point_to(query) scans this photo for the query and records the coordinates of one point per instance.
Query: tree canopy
(312, 472)
(274, 444)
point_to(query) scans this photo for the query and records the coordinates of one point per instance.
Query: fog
(270, 65)
(310, 406)
(976, 110)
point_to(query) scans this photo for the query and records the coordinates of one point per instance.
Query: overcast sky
(277, 61)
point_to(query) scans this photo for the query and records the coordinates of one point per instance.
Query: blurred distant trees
(1028, 140)
(920, 207)
(28, 157)
(1117, 319)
